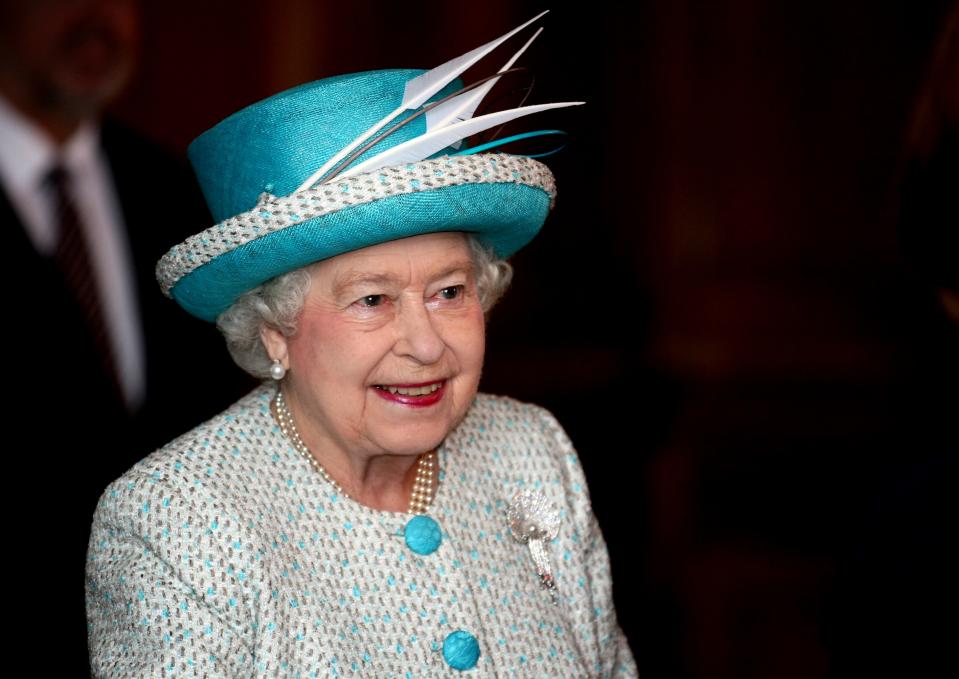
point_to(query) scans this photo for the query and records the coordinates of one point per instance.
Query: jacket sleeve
(591, 602)
(161, 597)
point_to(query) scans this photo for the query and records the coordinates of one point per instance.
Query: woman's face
(389, 347)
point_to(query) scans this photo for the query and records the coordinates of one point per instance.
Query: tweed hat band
(273, 214)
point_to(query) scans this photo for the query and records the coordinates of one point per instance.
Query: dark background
(718, 309)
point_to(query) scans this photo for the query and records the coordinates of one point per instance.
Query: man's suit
(70, 433)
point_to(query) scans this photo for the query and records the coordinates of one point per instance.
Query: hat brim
(505, 216)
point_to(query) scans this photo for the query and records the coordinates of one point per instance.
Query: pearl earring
(277, 371)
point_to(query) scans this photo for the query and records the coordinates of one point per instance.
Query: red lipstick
(421, 401)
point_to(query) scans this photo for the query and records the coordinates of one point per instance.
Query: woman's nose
(417, 335)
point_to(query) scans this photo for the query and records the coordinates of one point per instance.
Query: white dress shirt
(27, 154)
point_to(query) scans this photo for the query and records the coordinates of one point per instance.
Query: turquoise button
(423, 534)
(461, 650)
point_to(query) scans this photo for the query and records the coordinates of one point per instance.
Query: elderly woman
(365, 511)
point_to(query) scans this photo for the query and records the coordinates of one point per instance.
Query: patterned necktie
(73, 258)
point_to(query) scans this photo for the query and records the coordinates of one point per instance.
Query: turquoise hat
(256, 171)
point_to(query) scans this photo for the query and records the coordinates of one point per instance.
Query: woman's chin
(416, 443)
(412, 430)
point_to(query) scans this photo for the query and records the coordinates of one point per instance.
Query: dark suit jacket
(70, 434)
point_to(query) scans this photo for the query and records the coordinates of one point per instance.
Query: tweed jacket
(225, 554)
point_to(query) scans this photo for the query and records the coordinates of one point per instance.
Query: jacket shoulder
(209, 444)
(491, 412)
(495, 408)
(526, 434)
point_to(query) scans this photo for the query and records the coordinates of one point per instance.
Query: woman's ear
(275, 343)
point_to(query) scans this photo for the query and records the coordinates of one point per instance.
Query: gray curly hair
(278, 302)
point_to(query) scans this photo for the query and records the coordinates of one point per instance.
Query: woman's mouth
(416, 395)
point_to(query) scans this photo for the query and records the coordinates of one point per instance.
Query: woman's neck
(384, 482)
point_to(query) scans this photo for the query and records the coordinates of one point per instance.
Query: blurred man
(86, 209)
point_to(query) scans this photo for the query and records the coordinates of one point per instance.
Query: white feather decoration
(417, 91)
(424, 86)
(429, 143)
(463, 106)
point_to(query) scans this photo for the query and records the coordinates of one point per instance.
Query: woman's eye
(452, 292)
(372, 300)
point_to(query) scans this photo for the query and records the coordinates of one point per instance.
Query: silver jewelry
(534, 520)
(421, 497)
(277, 371)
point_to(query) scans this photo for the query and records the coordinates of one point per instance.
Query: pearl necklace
(421, 496)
